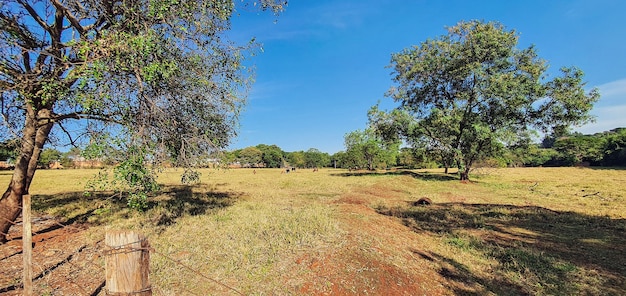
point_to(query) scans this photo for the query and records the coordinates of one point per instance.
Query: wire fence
(65, 261)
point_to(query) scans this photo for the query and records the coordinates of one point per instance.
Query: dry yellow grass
(511, 231)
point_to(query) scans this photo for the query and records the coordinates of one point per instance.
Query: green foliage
(365, 149)
(250, 157)
(580, 149)
(600, 149)
(272, 155)
(296, 159)
(190, 176)
(605, 148)
(151, 81)
(9, 149)
(315, 158)
(49, 156)
(615, 148)
(471, 93)
(135, 178)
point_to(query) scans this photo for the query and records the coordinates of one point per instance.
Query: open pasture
(523, 231)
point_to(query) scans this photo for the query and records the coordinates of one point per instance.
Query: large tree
(473, 92)
(160, 75)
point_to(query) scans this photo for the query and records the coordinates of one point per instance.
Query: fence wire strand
(74, 269)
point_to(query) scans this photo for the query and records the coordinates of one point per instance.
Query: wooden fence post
(27, 246)
(127, 264)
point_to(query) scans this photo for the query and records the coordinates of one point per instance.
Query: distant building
(7, 165)
(83, 163)
(55, 165)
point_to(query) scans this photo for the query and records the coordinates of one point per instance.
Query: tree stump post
(127, 264)
(27, 246)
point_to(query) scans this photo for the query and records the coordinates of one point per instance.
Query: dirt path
(381, 256)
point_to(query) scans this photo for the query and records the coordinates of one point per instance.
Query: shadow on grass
(96, 208)
(597, 168)
(536, 250)
(178, 201)
(416, 175)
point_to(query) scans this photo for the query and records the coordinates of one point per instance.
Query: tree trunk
(464, 174)
(34, 136)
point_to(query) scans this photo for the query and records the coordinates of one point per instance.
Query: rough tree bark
(38, 125)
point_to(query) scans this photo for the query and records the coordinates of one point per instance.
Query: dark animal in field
(424, 201)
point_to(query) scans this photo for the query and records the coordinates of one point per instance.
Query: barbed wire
(197, 272)
(74, 264)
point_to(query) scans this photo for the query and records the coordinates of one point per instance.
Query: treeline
(606, 149)
(50, 158)
(272, 156)
(600, 149)
(366, 151)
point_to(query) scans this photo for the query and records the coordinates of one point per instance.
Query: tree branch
(81, 115)
(34, 15)
(68, 134)
(70, 17)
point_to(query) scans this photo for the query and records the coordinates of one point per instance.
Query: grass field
(523, 231)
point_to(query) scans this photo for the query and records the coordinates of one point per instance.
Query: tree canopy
(472, 92)
(365, 149)
(161, 76)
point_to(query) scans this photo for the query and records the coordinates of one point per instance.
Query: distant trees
(365, 149)
(250, 157)
(314, 158)
(601, 149)
(9, 149)
(570, 149)
(296, 159)
(272, 156)
(472, 93)
(49, 156)
(615, 148)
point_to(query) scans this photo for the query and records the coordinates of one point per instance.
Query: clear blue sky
(324, 62)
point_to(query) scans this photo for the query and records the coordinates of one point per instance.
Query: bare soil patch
(65, 262)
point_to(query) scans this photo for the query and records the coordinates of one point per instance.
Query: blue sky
(324, 63)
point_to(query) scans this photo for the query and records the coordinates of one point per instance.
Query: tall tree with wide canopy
(160, 75)
(472, 92)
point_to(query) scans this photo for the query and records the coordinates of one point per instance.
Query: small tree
(250, 157)
(296, 159)
(370, 150)
(272, 155)
(472, 92)
(315, 158)
(49, 156)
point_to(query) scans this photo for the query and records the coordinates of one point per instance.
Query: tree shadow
(96, 208)
(429, 176)
(179, 201)
(536, 250)
(600, 168)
